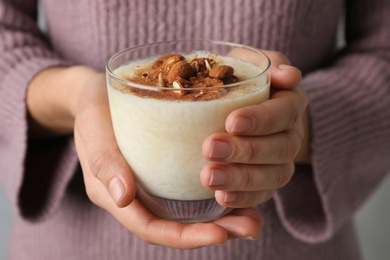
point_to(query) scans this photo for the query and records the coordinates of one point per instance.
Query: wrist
(79, 77)
(52, 97)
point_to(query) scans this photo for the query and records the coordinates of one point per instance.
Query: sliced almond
(201, 93)
(174, 59)
(207, 65)
(161, 83)
(192, 58)
(195, 66)
(160, 61)
(212, 56)
(178, 85)
(214, 94)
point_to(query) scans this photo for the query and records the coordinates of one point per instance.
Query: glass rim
(156, 88)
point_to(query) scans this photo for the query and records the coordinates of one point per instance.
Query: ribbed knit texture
(310, 218)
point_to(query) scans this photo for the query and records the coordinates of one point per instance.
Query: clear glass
(162, 139)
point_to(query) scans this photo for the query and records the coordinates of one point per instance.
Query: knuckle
(294, 117)
(299, 133)
(144, 236)
(267, 117)
(281, 56)
(249, 152)
(98, 164)
(297, 137)
(252, 199)
(285, 174)
(246, 180)
(291, 147)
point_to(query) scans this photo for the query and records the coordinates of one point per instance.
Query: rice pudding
(160, 132)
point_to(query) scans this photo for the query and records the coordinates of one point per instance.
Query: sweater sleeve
(34, 174)
(349, 105)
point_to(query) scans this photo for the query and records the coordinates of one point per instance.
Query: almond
(173, 59)
(179, 86)
(198, 64)
(160, 83)
(192, 58)
(181, 69)
(163, 59)
(221, 72)
(185, 83)
(207, 64)
(213, 94)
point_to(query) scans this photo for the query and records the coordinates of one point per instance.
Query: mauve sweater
(310, 218)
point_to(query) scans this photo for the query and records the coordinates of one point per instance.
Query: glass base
(185, 211)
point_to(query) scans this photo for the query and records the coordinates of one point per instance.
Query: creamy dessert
(161, 121)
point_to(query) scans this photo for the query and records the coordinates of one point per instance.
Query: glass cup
(161, 139)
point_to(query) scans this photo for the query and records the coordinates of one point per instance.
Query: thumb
(102, 154)
(283, 75)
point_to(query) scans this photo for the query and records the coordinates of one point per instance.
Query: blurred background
(372, 220)
(372, 223)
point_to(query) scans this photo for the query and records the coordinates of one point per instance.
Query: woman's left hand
(256, 155)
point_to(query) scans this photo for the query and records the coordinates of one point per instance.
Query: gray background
(372, 222)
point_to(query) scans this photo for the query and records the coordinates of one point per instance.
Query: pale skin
(247, 164)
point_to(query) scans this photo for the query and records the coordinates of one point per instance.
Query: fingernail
(117, 189)
(230, 196)
(241, 124)
(285, 67)
(220, 150)
(249, 238)
(218, 177)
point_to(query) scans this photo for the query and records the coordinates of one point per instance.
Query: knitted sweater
(310, 218)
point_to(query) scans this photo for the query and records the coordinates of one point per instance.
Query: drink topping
(193, 76)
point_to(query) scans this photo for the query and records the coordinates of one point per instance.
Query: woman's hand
(108, 179)
(256, 155)
(110, 183)
(62, 100)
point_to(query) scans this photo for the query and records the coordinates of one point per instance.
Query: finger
(147, 226)
(95, 190)
(280, 113)
(243, 223)
(283, 75)
(241, 199)
(104, 158)
(249, 212)
(154, 230)
(242, 177)
(273, 149)
(140, 221)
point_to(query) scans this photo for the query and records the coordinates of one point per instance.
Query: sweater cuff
(350, 140)
(301, 208)
(36, 172)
